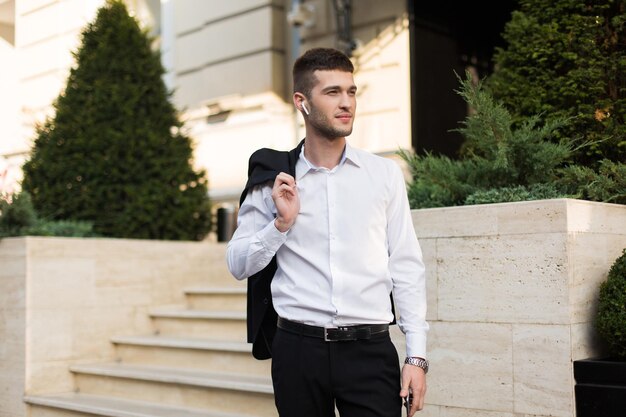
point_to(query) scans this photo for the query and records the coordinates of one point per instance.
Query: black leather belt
(333, 334)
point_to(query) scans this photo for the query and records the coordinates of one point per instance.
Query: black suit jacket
(264, 165)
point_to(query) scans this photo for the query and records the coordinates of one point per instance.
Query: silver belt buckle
(326, 328)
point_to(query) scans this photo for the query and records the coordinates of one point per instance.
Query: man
(335, 238)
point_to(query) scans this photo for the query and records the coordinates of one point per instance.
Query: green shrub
(611, 316)
(558, 81)
(18, 218)
(438, 181)
(16, 214)
(114, 153)
(495, 156)
(607, 184)
(567, 58)
(518, 193)
(62, 228)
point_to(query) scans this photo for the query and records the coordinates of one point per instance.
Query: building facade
(229, 65)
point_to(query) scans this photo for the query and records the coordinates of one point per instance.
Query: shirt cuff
(416, 345)
(271, 238)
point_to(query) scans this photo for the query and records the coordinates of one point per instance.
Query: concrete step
(216, 298)
(185, 352)
(220, 325)
(74, 404)
(221, 392)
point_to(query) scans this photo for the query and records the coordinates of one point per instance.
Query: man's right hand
(286, 200)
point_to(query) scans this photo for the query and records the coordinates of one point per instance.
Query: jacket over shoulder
(264, 165)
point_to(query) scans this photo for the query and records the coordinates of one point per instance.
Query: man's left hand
(413, 379)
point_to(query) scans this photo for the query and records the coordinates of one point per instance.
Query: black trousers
(311, 376)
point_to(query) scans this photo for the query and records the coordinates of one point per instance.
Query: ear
(298, 99)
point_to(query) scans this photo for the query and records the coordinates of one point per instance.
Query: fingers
(418, 398)
(284, 184)
(413, 380)
(284, 190)
(404, 392)
(284, 178)
(286, 200)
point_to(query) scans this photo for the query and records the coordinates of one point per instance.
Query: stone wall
(511, 293)
(62, 299)
(12, 326)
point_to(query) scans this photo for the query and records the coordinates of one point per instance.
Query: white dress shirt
(353, 242)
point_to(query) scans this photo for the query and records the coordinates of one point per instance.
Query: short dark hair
(317, 59)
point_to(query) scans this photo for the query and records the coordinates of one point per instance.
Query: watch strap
(419, 362)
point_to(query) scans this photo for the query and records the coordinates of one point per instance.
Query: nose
(347, 101)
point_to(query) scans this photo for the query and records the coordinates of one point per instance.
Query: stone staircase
(195, 364)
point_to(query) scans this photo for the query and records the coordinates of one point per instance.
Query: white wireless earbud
(305, 109)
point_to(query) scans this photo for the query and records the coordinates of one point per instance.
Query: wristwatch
(419, 362)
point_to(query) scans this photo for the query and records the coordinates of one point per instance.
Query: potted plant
(601, 383)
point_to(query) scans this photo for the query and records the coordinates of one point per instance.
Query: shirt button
(265, 301)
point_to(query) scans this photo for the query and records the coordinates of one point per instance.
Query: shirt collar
(351, 155)
(303, 166)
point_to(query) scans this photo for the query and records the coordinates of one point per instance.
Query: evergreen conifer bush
(114, 153)
(16, 214)
(497, 163)
(611, 316)
(516, 193)
(567, 58)
(607, 183)
(18, 218)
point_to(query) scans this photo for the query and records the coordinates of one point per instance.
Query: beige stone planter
(512, 290)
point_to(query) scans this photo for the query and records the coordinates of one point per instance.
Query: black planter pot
(600, 388)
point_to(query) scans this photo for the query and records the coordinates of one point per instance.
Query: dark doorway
(447, 37)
